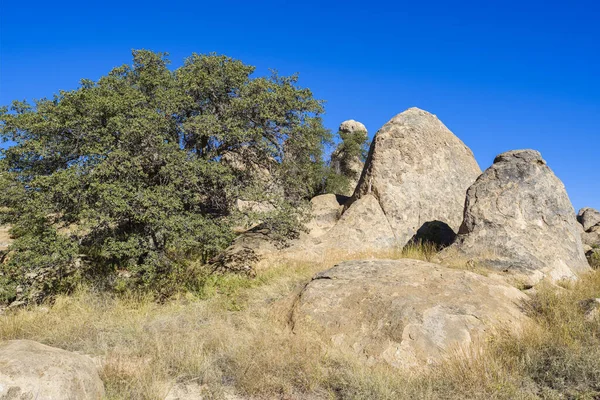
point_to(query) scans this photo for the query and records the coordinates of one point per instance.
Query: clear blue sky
(501, 75)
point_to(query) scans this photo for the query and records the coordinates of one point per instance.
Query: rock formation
(245, 252)
(4, 238)
(588, 218)
(363, 226)
(591, 237)
(590, 234)
(30, 370)
(518, 218)
(413, 187)
(342, 163)
(418, 172)
(257, 244)
(590, 222)
(352, 126)
(326, 211)
(406, 313)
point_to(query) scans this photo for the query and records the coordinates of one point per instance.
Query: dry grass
(232, 337)
(594, 259)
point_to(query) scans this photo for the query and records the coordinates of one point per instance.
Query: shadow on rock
(434, 232)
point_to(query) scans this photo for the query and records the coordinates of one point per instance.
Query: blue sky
(501, 75)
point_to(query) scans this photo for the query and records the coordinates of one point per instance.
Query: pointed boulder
(419, 172)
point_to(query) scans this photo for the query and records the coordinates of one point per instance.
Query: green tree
(346, 162)
(128, 173)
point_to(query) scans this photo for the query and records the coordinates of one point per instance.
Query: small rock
(592, 236)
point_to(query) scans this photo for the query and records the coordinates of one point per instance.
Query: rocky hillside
(495, 240)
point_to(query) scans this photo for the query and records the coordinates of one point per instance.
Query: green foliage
(134, 172)
(335, 182)
(341, 170)
(594, 258)
(354, 144)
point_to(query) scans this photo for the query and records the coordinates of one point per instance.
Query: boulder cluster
(421, 183)
(417, 171)
(590, 222)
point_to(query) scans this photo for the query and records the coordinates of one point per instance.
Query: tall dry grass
(231, 337)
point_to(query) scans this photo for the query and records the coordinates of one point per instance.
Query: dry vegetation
(594, 259)
(231, 340)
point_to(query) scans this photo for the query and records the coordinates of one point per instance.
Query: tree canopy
(142, 169)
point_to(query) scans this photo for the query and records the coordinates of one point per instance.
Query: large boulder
(518, 218)
(342, 163)
(406, 313)
(418, 171)
(30, 370)
(588, 218)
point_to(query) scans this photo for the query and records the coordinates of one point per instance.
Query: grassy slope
(233, 337)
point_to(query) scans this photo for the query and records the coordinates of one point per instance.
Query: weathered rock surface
(326, 211)
(362, 230)
(363, 226)
(5, 239)
(30, 370)
(588, 218)
(406, 313)
(343, 164)
(418, 172)
(352, 126)
(592, 236)
(519, 219)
